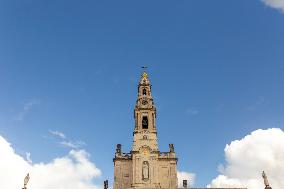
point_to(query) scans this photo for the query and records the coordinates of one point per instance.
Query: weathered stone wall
(167, 173)
(122, 173)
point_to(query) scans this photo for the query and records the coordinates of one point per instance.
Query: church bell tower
(145, 133)
(145, 166)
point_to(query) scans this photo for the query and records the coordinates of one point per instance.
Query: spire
(145, 132)
(144, 99)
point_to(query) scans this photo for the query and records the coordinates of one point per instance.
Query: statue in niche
(145, 170)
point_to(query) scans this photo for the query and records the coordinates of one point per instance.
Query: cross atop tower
(144, 68)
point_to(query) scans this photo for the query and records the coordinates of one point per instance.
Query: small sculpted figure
(145, 170)
(172, 149)
(265, 179)
(26, 180)
(105, 184)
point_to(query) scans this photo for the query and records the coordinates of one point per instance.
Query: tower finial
(144, 76)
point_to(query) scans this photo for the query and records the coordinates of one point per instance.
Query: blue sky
(216, 68)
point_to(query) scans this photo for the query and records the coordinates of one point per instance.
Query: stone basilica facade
(145, 166)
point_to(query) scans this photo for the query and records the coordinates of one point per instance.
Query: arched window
(145, 122)
(144, 92)
(145, 137)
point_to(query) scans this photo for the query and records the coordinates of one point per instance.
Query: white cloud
(58, 134)
(27, 107)
(278, 4)
(73, 171)
(74, 145)
(28, 157)
(246, 158)
(65, 142)
(190, 177)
